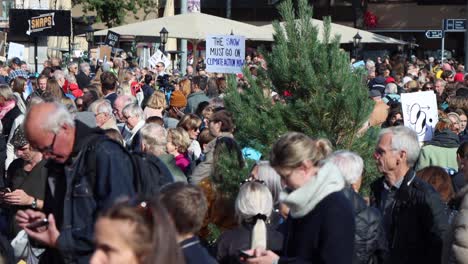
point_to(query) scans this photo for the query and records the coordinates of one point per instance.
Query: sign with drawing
(420, 113)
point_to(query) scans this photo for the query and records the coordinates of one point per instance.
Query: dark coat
(324, 235)
(369, 240)
(240, 238)
(8, 119)
(195, 253)
(83, 80)
(418, 221)
(91, 180)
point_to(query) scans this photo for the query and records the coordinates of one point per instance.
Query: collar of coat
(303, 200)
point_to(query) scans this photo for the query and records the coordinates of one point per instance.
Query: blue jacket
(94, 178)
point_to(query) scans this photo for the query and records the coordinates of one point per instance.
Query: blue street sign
(434, 34)
(454, 25)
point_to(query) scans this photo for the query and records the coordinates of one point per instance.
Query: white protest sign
(159, 57)
(420, 113)
(225, 53)
(15, 50)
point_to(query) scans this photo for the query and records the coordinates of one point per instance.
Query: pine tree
(327, 98)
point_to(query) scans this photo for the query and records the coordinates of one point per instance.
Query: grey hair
(56, 119)
(154, 138)
(442, 82)
(350, 165)
(70, 78)
(271, 178)
(58, 75)
(391, 88)
(126, 99)
(255, 198)
(101, 106)
(404, 139)
(84, 66)
(6, 92)
(134, 110)
(71, 64)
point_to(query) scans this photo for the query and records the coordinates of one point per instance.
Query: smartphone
(4, 190)
(39, 223)
(244, 255)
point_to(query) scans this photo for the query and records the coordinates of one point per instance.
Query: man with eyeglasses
(87, 173)
(160, 69)
(414, 217)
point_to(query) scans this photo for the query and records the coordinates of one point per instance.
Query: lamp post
(412, 43)
(356, 42)
(89, 39)
(163, 34)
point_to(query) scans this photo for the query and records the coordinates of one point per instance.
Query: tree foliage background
(327, 98)
(113, 12)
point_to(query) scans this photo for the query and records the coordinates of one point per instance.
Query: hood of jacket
(445, 138)
(303, 200)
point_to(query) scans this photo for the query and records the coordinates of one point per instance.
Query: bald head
(50, 129)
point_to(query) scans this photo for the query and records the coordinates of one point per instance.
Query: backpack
(150, 173)
(391, 101)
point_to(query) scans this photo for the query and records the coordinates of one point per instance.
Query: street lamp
(412, 44)
(90, 39)
(356, 42)
(163, 34)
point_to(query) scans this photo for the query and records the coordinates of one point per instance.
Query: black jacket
(240, 238)
(324, 235)
(370, 243)
(195, 253)
(418, 221)
(83, 80)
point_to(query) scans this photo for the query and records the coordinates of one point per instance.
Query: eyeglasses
(48, 149)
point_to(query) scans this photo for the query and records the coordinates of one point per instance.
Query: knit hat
(19, 138)
(178, 99)
(375, 93)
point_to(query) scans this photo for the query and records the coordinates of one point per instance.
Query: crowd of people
(79, 145)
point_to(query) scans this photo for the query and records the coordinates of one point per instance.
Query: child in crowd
(187, 206)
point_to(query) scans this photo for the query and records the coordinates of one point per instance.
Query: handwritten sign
(225, 53)
(112, 38)
(159, 57)
(420, 113)
(15, 50)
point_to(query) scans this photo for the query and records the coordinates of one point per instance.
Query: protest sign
(105, 52)
(159, 57)
(112, 38)
(15, 50)
(225, 53)
(420, 113)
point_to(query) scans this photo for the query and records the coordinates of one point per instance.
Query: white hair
(70, 78)
(59, 75)
(101, 106)
(133, 110)
(254, 198)
(271, 178)
(404, 138)
(84, 66)
(391, 88)
(350, 165)
(56, 119)
(154, 138)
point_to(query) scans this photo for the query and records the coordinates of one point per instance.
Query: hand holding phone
(38, 223)
(244, 255)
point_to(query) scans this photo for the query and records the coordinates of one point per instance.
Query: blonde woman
(254, 205)
(321, 222)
